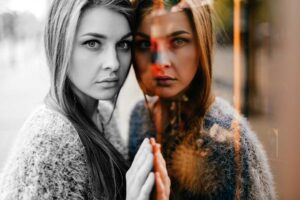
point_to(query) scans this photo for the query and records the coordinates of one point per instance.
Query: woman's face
(166, 56)
(101, 54)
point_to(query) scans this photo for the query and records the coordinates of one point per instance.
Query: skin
(101, 56)
(166, 61)
(99, 63)
(170, 73)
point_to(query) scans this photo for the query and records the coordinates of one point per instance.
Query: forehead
(104, 21)
(165, 24)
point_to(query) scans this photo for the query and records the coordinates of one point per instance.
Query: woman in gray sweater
(69, 148)
(210, 150)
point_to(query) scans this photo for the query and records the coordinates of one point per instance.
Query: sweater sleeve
(261, 185)
(257, 179)
(50, 165)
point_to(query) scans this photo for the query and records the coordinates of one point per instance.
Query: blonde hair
(107, 168)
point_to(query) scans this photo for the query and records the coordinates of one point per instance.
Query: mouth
(113, 79)
(108, 82)
(164, 80)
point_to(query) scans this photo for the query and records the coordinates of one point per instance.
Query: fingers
(162, 191)
(147, 187)
(160, 164)
(144, 146)
(162, 180)
(140, 156)
(138, 177)
(159, 184)
(144, 169)
(160, 167)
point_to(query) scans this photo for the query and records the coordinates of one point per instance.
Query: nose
(159, 54)
(161, 58)
(111, 60)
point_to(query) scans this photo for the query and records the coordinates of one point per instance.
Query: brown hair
(199, 13)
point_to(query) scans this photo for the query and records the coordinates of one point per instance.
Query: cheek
(76, 68)
(142, 62)
(83, 69)
(125, 60)
(143, 67)
(188, 65)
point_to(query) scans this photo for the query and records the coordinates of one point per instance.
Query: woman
(69, 149)
(173, 60)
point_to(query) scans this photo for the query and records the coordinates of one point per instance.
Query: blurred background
(270, 76)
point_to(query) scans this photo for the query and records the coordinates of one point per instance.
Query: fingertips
(152, 141)
(145, 146)
(160, 157)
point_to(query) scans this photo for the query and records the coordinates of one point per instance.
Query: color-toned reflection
(160, 45)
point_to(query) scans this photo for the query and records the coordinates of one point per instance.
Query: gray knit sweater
(204, 166)
(48, 160)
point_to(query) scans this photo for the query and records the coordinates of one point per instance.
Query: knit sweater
(204, 166)
(48, 160)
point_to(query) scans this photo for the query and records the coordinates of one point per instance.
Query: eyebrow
(142, 35)
(174, 34)
(101, 36)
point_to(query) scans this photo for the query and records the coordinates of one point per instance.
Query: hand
(162, 180)
(139, 178)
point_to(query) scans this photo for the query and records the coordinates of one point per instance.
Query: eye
(92, 44)
(124, 45)
(178, 42)
(143, 45)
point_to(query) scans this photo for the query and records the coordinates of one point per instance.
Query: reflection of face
(101, 54)
(174, 66)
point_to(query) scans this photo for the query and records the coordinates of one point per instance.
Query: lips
(164, 77)
(108, 83)
(164, 80)
(107, 80)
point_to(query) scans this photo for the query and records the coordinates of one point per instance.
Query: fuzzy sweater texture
(48, 160)
(204, 166)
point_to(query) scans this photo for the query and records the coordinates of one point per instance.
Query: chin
(166, 94)
(169, 94)
(106, 95)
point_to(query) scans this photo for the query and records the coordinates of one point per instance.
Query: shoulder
(222, 113)
(139, 109)
(140, 112)
(47, 161)
(222, 122)
(49, 127)
(223, 116)
(139, 118)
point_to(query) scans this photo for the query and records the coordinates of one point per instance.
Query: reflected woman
(173, 61)
(69, 149)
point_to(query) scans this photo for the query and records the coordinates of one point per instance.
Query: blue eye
(124, 45)
(92, 44)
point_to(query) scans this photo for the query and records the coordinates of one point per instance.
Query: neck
(167, 109)
(88, 103)
(90, 106)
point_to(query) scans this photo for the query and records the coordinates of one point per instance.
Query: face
(101, 54)
(166, 56)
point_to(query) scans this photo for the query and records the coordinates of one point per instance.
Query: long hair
(199, 14)
(106, 166)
